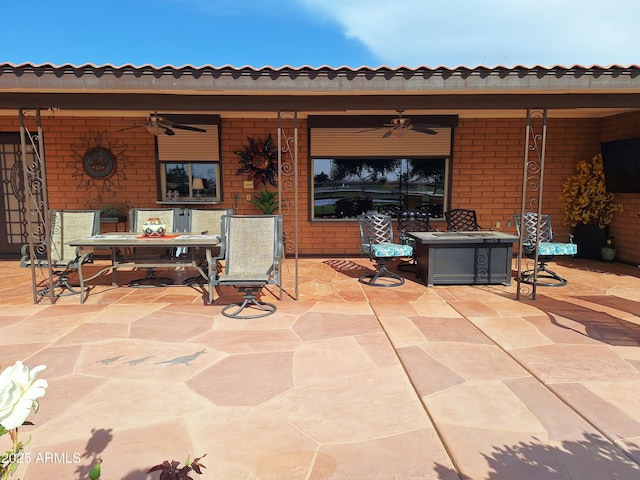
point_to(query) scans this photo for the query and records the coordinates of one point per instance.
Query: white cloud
(490, 32)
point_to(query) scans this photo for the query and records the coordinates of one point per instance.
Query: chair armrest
(568, 235)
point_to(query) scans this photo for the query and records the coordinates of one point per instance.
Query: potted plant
(266, 201)
(588, 207)
(111, 211)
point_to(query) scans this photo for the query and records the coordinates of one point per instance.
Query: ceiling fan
(400, 125)
(158, 125)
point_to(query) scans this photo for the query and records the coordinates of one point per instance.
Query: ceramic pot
(154, 227)
(608, 253)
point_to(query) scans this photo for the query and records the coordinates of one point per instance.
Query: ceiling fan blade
(187, 127)
(388, 133)
(129, 128)
(423, 129)
(369, 130)
(168, 131)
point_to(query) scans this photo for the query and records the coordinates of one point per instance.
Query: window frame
(184, 148)
(361, 137)
(403, 197)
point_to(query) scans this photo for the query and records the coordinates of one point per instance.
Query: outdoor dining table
(119, 243)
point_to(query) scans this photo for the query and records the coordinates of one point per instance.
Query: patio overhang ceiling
(481, 91)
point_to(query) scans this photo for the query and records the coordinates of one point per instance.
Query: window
(190, 180)
(346, 187)
(189, 161)
(356, 167)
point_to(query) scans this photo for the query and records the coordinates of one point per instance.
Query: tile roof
(315, 89)
(87, 68)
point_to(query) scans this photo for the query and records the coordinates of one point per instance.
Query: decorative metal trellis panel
(35, 198)
(288, 199)
(532, 183)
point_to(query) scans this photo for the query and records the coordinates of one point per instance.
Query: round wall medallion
(99, 162)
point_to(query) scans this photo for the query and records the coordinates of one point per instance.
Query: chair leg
(542, 272)
(197, 280)
(382, 273)
(409, 266)
(62, 282)
(151, 280)
(250, 301)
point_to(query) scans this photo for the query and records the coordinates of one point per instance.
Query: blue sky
(316, 33)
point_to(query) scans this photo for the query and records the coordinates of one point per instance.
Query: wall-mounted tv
(621, 161)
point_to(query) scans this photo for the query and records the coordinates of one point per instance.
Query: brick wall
(626, 225)
(486, 175)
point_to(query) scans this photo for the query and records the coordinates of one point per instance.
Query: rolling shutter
(186, 145)
(354, 142)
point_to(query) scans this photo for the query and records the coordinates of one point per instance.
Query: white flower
(19, 393)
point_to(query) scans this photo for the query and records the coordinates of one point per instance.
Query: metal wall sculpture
(532, 183)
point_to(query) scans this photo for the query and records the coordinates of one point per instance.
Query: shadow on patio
(349, 382)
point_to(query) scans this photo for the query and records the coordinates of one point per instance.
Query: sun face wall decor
(260, 160)
(100, 162)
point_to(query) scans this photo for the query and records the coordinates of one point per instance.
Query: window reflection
(346, 187)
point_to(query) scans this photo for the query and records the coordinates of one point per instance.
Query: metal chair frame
(205, 221)
(462, 220)
(411, 221)
(66, 225)
(538, 227)
(170, 216)
(252, 252)
(377, 231)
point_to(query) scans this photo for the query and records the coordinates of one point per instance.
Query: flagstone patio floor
(348, 382)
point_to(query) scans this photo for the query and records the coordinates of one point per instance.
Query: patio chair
(462, 220)
(137, 216)
(66, 225)
(376, 241)
(391, 210)
(204, 221)
(411, 221)
(252, 250)
(529, 228)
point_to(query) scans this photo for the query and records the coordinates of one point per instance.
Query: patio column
(532, 183)
(288, 201)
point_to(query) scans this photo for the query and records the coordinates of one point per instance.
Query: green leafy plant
(173, 471)
(169, 470)
(266, 201)
(585, 194)
(109, 211)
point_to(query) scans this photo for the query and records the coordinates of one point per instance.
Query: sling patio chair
(252, 251)
(376, 241)
(137, 216)
(530, 227)
(66, 225)
(204, 221)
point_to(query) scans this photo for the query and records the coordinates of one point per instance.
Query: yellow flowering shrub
(585, 196)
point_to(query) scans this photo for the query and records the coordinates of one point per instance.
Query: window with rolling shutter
(356, 169)
(189, 163)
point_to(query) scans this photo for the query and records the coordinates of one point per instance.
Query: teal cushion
(387, 250)
(553, 248)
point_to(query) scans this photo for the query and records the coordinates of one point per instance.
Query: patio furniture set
(465, 254)
(249, 247)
